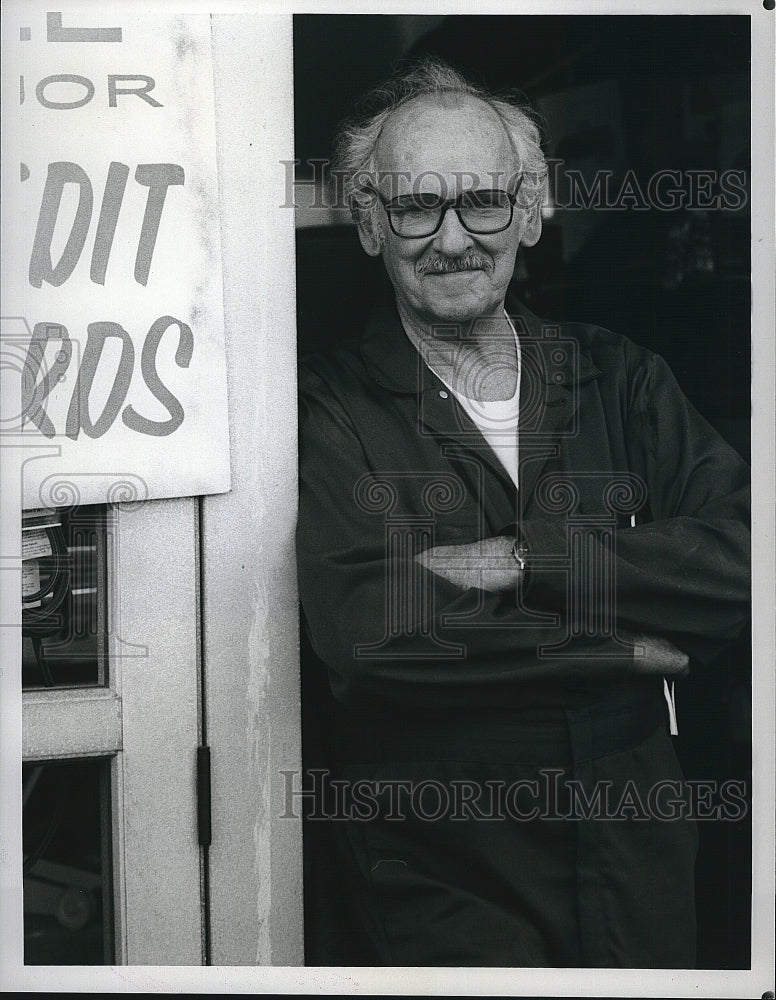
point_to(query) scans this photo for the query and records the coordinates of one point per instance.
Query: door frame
(146, 722)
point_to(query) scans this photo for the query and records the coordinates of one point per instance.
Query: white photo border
(474, 982)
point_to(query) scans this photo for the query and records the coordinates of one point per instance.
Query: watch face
(520, 553)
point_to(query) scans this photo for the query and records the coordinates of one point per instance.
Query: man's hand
(659, 656)
(487, 564)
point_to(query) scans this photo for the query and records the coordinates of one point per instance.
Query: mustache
(445, 264)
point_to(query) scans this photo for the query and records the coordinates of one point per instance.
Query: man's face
(447, 146)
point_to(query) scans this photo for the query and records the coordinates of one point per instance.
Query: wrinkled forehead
(444, 144)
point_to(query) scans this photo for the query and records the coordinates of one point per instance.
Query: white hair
(356, 142)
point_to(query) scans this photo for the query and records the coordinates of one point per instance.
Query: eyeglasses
(482, 213)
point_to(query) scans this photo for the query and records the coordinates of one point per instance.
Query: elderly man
(513, 535)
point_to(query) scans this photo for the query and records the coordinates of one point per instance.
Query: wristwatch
(520, 555)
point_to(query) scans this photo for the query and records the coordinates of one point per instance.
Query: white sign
(112, 310)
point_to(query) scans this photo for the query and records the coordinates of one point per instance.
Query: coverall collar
(394, 363)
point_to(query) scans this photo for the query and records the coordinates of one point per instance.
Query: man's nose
(452, 237)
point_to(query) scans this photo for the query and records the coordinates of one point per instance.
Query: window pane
(63, 597)
(67, 873)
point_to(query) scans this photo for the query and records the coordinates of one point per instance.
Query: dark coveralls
(501, 716)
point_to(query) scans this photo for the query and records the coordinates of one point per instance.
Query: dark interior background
(640, 93)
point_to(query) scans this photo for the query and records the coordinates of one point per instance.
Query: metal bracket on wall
(204, 830)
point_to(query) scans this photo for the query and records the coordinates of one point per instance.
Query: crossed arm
(489, 565)
(683, 575)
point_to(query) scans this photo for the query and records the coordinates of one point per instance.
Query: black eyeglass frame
(456, 205)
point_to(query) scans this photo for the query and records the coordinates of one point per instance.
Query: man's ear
(369, 233)
(532, 226)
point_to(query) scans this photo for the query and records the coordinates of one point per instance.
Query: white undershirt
(497, 419)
